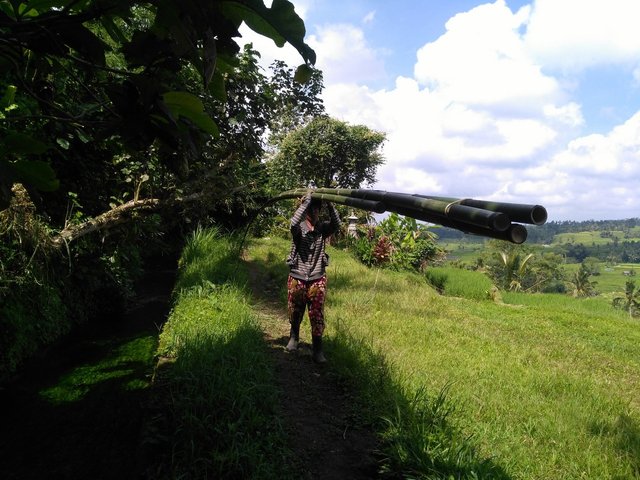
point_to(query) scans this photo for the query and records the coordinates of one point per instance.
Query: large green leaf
(255, 18)
(8, 97)
(183, 100)
(7, 9)
(113, 30)
(217, 87)
(209, 57)
(184, 104)
(82, 40)
(31, 172)
(280, 22)
(36, 173)
(21, 144)
(303, 73)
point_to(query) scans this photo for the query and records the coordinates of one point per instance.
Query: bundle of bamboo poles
(479, 217)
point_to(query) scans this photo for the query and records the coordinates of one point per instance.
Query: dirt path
(317, 411)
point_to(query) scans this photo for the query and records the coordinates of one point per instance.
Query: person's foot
(318, 355)
(294, 336)
(293, 344)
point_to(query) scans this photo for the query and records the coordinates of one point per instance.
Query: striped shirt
(307, 259)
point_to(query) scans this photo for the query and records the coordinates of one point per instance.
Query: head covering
(315, 203)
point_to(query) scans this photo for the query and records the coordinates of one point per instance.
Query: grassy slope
(594, 238)
(546, 385)
(217, 392)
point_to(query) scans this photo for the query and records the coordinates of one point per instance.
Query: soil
(99, 436)
(327, 436)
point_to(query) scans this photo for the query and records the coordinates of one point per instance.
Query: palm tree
(514, 268)
(582, 286)
(631, 300)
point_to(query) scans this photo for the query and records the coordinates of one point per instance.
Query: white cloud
(344, 55)
(409, 180)
(569, 114)
(484, 117)
(369, 17)
(460, 108)
(615, 155)
(481, 60)
(596, 175)
(576, 34)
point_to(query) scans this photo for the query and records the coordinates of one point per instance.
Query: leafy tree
(547, 272)
(630, 302)
(592, 264)
(110, 112)
(577, 251)
(296, 103)
(116, 74)
(509, 265)
(581, 283)
(328, 153)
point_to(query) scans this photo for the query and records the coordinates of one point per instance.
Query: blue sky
(529, 102)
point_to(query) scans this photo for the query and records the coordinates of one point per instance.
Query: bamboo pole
(478, 217)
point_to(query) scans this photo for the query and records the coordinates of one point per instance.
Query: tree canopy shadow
(625, 433)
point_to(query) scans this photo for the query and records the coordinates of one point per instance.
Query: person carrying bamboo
(307, 281)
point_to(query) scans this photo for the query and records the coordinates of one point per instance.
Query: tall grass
(457, 282)
(544, 386)
(218, 391)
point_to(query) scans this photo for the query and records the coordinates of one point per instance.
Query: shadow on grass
(215, 413)
(76, 410)
(625, 433)
(84, 425)
(418, 438)
(269, 279)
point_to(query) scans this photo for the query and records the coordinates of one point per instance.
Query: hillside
(599, 231)
(544, 385)
(418, 385)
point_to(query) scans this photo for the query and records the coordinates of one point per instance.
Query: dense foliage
(397, 242)
(130, 121)
(328, 153)
(127, 124)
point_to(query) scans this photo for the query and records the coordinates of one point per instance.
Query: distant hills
(627, 229)
(607, 240)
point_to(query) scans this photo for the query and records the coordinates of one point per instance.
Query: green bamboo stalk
(448, 209)
(515, 233)
(361, 204)
(478, 217)
(518, 212)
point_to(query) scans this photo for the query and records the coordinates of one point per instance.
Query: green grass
(542, 386)
(585, 238)
(123, 364)
(611, 280)
(219, 392)
(464, 251)
(457, 282)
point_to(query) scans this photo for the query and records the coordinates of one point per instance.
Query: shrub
(398, 243)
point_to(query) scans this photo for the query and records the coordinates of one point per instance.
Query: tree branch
(121, 214)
